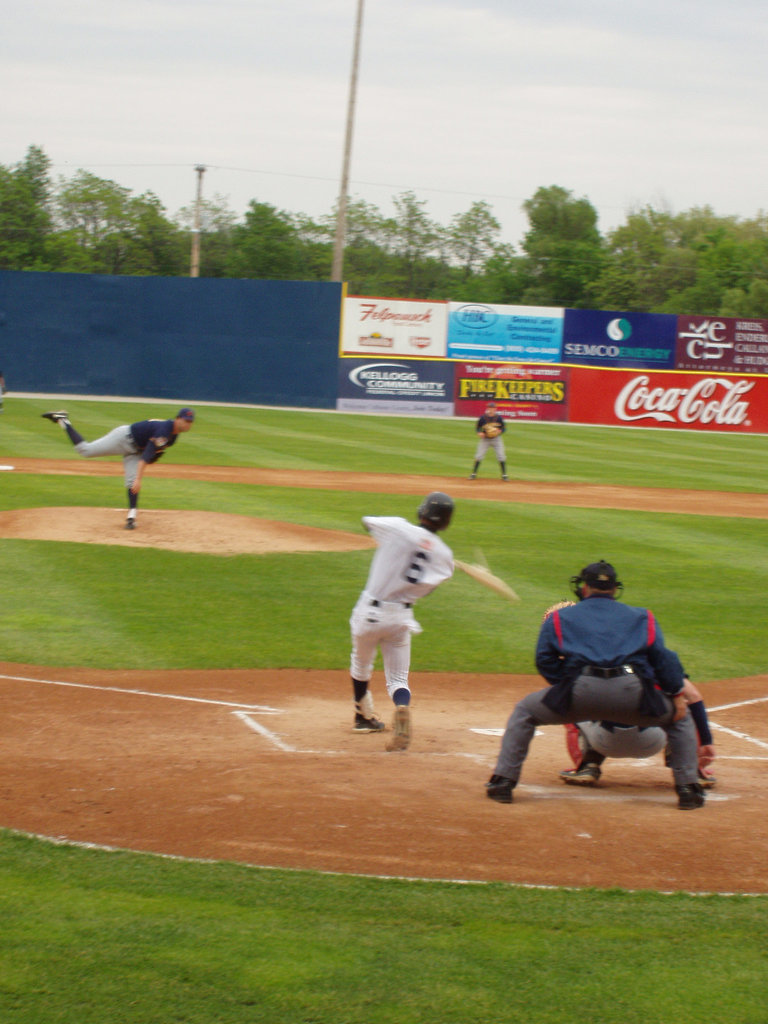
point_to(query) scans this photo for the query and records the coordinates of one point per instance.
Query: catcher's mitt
(556, 608)
(491, 430)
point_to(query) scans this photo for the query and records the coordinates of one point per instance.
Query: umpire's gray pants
(613, 700)
(117, 442)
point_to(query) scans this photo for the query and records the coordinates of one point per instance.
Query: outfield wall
(255, 342)
(307, 345)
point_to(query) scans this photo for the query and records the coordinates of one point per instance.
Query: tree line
(695, 262)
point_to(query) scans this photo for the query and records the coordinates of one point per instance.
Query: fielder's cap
(186, 414)
(600, 576)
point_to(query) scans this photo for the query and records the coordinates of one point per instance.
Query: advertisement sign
(670, 400)
(520, 392)
(602, 338)
(398, 386)
(530, 334)
(393, 327)
(724, 344)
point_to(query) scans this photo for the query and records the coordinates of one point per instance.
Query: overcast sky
(626, 103)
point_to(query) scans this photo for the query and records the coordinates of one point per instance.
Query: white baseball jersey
(410, 561)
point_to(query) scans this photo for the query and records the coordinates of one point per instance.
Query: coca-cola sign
(687, 401)
(708, 400)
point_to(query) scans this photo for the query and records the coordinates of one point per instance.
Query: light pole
(195, 267)
(337, 268)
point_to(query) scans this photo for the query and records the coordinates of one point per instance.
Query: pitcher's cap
(186, 414)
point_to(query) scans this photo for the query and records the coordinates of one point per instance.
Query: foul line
(148, 693)
(740, 735)
(266, 733)
(738, 704)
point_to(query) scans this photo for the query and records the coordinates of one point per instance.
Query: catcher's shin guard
(572, 742)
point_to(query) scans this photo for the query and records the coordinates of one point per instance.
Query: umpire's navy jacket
(604, 633)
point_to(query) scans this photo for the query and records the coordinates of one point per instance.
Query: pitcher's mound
(214, 533)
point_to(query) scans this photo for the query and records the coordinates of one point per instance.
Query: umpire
(604, 661)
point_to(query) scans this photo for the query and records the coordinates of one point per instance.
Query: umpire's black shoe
(499, 788)
(690, 797)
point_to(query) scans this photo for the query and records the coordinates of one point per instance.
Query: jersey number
(416, 569)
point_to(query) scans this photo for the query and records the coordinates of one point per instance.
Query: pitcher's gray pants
(117, 442)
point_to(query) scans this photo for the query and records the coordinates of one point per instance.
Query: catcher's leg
(586, 760)
(572, 743)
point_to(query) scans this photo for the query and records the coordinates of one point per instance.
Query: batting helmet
(437, 509)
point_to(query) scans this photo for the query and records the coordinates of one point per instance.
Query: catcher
(489, 430)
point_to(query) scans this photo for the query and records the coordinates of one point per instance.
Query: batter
(410, 561)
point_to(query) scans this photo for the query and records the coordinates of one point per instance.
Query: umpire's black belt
(376, 603)
(607, 673)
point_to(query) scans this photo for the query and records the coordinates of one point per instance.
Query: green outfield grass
(300, 440)
(118, 938)
(681, 566)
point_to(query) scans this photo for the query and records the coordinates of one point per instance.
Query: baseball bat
(483, 575)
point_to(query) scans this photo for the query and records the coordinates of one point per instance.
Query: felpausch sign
(394, 327)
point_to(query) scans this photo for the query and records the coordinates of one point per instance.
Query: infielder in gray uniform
(604, 661)
(410, 561)
(140, 444)
(489, 429)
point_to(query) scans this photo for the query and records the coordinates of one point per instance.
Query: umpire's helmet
(436, 509)
(598, 576)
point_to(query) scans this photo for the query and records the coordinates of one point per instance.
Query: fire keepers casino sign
(688, 401)
(530, 392)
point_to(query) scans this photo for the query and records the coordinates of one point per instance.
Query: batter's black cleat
(363, 724)
(55, 417)
(586, 775)
(499, 788)
(690, 797)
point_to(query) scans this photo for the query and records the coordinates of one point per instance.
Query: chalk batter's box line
(266, 710)
(259, 708)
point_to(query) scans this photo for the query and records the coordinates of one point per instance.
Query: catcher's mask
(598, 576)
(437, 509)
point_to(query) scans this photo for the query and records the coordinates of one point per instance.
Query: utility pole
(341, 211)
(195, 268)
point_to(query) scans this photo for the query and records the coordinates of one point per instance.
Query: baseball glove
(491, 430)
(555, 608)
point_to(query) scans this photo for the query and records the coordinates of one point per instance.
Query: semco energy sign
(601, 338)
